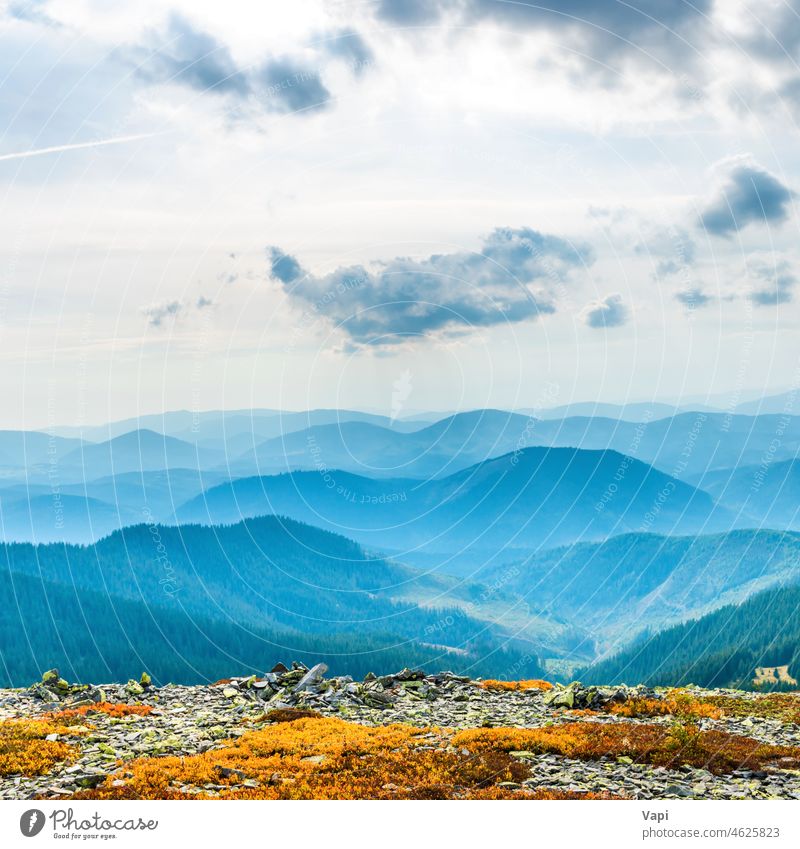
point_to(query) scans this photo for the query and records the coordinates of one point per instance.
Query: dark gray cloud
(693, 298)
(774, 280)
(607, 312)
(749, 195)
(605, 32)
(514, 277)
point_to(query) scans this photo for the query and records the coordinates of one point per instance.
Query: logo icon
(31, 822)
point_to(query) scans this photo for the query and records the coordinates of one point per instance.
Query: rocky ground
(186, 721)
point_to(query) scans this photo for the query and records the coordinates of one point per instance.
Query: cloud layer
(516, 276)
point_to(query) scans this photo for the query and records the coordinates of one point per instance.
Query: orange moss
(716, 751)
(505, 686)
(321, 759)
(24, 751)
(108, 708)
(677, 703)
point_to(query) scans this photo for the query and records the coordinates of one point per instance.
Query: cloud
(749, 194)
(774, 34)
(607, 312)
(350, 47)
(184, 55)
(410, 12)
(775, 281)
(190, 57)
(157, 314)
(514, 277)
(286, 86)
(31, 11)
(672, 247)
(283, 267)
(203, 302)
(693, 298)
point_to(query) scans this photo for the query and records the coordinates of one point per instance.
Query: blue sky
(300, 205)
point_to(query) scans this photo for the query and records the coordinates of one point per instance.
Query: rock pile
(300, 686)
(575, 696)
(57, 691)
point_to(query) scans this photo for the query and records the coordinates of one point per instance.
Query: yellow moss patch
(716, 751)
(24, 751)
(506, 686)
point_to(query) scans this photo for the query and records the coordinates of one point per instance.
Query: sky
(454, 203)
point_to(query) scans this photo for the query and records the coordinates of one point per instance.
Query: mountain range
(562, 535)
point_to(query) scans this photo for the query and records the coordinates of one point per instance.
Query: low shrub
(660, 745)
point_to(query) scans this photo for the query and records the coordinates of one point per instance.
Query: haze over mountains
(561, 536)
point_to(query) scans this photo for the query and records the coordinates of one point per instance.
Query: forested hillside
(91, 636)
(720, 649)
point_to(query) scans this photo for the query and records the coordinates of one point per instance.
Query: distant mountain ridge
(534, 497)
(682, 445)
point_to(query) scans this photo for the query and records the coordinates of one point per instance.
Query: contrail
(42, 151)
